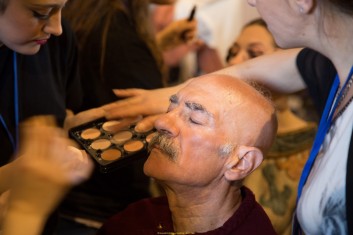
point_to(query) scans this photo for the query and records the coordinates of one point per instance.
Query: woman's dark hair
(345, 6)
(3, 5)
(85, 15)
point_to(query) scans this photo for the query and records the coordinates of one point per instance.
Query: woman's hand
(177, 33)
(73, 120)
(139, 102)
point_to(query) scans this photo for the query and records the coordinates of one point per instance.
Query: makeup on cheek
(109, 146)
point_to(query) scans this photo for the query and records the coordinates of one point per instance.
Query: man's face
(193, 144)
(25, 25)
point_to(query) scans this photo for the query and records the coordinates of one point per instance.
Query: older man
(214, 134)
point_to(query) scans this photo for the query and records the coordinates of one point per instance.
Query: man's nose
(167, 124)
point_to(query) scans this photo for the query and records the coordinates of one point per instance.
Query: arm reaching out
(140, 102)
(277, 71)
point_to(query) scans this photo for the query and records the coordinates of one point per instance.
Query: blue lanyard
(324, 126)
(14, 140)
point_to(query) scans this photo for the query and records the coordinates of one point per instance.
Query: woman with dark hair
(117, 49)
(38, 76)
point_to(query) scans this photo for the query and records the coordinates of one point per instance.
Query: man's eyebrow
(198, 107)
(191, 105)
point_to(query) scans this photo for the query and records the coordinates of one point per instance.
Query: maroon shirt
(152, 216)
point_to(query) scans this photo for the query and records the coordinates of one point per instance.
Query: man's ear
(243, 162)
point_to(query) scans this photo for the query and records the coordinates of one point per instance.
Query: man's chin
(148, 165)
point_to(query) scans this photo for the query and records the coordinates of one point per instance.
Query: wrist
(161, 42)
(18, 222)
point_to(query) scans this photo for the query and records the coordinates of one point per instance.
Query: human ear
(305, 6)
(243, 162)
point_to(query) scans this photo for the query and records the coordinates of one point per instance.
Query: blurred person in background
(219, 22)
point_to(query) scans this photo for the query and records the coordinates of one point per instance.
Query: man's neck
(202, 212)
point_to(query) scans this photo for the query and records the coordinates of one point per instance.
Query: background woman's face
(253, 41)
(25, 25)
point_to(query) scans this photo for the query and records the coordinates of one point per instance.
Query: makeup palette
(112, 144)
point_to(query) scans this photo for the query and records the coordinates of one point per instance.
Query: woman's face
(25, 25)
(253, 41)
